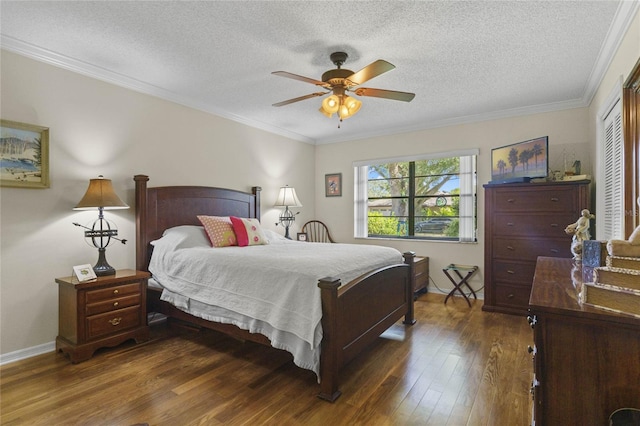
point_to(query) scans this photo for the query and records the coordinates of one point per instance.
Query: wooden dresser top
(556, 286)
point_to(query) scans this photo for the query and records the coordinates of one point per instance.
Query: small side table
(101, 313)
(458, 270)
(421, 273)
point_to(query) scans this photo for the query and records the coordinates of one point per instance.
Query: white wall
(567, 131)
(98, 128)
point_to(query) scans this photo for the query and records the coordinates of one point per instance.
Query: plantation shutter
(613, 174)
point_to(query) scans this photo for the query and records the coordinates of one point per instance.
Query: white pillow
(184, 236)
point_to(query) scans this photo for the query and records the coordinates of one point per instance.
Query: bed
(352, 313)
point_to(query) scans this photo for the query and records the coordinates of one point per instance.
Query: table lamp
(100, 195)
(287, 198)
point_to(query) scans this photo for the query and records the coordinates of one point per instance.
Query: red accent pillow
(248, 231)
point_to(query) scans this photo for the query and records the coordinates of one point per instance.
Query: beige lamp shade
(100, 194)
(287, 198)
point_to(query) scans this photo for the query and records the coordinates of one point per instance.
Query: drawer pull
(510, 296)
(510, 248)
(554, 225)
(554, 199)
(115, 291)
(509, 223)
(509, 271)
(555, 251)
(532, 320)
(115, 321)
(116, 303)
(511, 200)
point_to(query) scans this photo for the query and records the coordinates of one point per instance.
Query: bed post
(409, 318)
(330, 345)
(141, 218)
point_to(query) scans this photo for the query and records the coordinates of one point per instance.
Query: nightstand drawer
(113, 322)
(113, 304)
(93, 296)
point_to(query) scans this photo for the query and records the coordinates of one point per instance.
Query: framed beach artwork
(333, 185)
(24, 155)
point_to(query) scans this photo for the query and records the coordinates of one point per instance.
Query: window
(428, 197)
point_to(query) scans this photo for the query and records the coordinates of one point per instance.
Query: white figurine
(580, 232)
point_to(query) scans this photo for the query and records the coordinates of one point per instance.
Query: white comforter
(270, 289)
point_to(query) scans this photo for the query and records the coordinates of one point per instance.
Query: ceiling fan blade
(301, 98)
(301, 78)
(387, 94)
(374, 69)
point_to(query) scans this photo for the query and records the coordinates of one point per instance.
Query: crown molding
(61, 61)
(469, 119)
(621, 23)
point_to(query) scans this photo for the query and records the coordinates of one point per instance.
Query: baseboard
(153, 319)
(27, 353)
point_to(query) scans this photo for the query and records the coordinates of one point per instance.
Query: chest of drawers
(522, 222)
(101, 313)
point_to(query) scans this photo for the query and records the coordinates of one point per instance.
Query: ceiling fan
(339, 81)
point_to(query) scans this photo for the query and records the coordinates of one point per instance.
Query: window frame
(468, 173)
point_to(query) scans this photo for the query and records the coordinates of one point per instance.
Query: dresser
(103, 312)
(522, 222)
(586, 360)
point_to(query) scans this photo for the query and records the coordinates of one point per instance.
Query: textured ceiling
(465, 61)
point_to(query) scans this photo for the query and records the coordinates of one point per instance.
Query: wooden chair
(317, 232)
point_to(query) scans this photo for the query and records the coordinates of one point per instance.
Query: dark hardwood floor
(456, 366)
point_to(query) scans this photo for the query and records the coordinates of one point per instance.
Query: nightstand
(421, 272)
(101, 313)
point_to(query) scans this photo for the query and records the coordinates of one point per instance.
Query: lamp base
(287, 218)
(102, 268)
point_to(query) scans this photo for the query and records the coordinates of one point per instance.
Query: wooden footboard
(355, 314)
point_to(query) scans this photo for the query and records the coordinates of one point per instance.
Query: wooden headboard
(164, 207)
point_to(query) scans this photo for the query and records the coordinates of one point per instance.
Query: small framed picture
(302, 236)
(333, 185)
(84, 272)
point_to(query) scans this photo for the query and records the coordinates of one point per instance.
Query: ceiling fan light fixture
(339, 81)
(350, 106)
(330, 105)
(324, 112)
